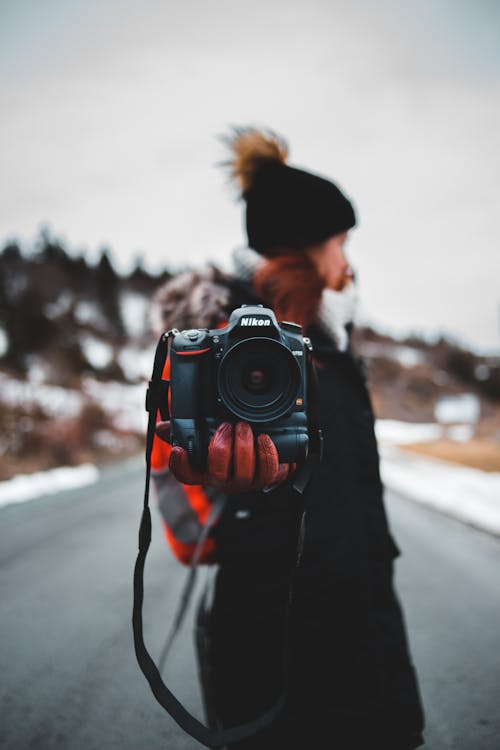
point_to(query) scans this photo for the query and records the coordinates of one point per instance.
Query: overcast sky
(111, 108)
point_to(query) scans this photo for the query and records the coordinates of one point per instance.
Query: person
(349, 678)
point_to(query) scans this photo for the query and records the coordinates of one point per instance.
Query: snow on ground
(482, 371)
(88, 313)
(465, 407)
(468, 494)
(460, 433)
(399, 433)
(52, 399)
(134, 308)
(61, 306)
(4, 342)
(22, 488)
(125, 403)
(96, 351)
(407, 356)
(136, 363)
(471, 495)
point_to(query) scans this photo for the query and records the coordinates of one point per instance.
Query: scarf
(336, 309)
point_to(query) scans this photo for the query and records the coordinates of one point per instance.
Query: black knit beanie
(286, 207)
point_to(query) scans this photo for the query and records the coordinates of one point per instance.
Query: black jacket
(349, 677)
(345, 663)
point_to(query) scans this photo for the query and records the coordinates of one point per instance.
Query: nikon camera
(252, 370)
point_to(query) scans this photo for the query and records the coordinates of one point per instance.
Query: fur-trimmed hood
(193, 299)
(203, 299)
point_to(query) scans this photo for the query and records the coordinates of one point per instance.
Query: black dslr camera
(252, 370)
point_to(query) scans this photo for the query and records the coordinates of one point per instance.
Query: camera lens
(256, 380)
(259, 379)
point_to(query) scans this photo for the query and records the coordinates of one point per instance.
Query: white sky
(110, 112)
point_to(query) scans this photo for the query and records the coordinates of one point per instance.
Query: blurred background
(110, 183)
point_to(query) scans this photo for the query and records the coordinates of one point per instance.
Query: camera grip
(291, 440)
(191, 435)
(186, 383)
(292, 447)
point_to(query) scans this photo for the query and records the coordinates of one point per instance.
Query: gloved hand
(236, 462)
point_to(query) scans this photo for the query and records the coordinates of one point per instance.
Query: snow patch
(27, 487)
(136, 363)
(52, 399)
(97, 352)
(4, 342)
(125, 403)
(394, 432)
(134, 309)
(87, 313)
(482, 371)
(37, 370)
(61, 305)
(465, 407)
(407, 356)
(460, 433)
(471, 495)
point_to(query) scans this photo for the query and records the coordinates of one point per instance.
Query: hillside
(76, 348)
(454, 391)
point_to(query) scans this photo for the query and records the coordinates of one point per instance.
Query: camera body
(251, 370)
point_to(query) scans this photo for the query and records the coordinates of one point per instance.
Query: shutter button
(192, 334)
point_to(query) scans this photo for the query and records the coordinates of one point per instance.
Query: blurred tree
(3, 294)
(14, 270)
(491, 384)
(50, 250)
(108, 294)
(28, 329)
(139, 279)
(80, 275)
(11, 254)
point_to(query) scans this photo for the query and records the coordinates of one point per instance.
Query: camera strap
(187, 590)
(157, 399)
(301, 481)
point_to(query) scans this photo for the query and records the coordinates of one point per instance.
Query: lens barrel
(258, 380)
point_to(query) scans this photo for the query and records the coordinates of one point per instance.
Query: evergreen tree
(50, 251)
(108, 294)
(28, 328)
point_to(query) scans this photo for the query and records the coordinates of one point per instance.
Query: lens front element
(259, 380)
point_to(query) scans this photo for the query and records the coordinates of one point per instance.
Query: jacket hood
(193, 299)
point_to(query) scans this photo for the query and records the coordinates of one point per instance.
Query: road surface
(69, 679)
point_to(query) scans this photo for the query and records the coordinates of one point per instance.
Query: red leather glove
(236, 462)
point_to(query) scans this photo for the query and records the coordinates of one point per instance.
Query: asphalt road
(68, 676)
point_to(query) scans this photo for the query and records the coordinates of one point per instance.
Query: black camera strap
(301, 480)
(157, 399)
(187, 590)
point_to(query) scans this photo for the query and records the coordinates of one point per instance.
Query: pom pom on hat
(252, 150)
